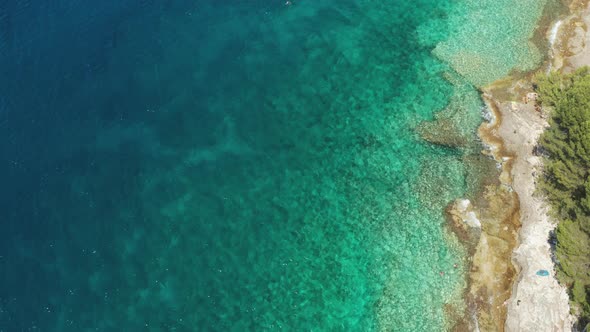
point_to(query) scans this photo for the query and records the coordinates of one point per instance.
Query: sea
(260, 165)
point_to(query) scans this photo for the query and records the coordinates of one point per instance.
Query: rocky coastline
(512, 284)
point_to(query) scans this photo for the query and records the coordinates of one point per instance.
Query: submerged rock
(442, 131)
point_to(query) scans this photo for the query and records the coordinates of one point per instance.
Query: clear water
(490, 39)
(236, 166)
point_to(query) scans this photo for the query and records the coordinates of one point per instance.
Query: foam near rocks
(464, 210)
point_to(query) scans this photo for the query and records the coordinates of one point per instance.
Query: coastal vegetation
(566, 180)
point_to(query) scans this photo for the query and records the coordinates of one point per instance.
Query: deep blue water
(227, 165)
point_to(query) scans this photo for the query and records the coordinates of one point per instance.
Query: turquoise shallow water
(206, 166)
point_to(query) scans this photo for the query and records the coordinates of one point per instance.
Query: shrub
(566, 178)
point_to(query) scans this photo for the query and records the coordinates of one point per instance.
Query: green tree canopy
(567, 177)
